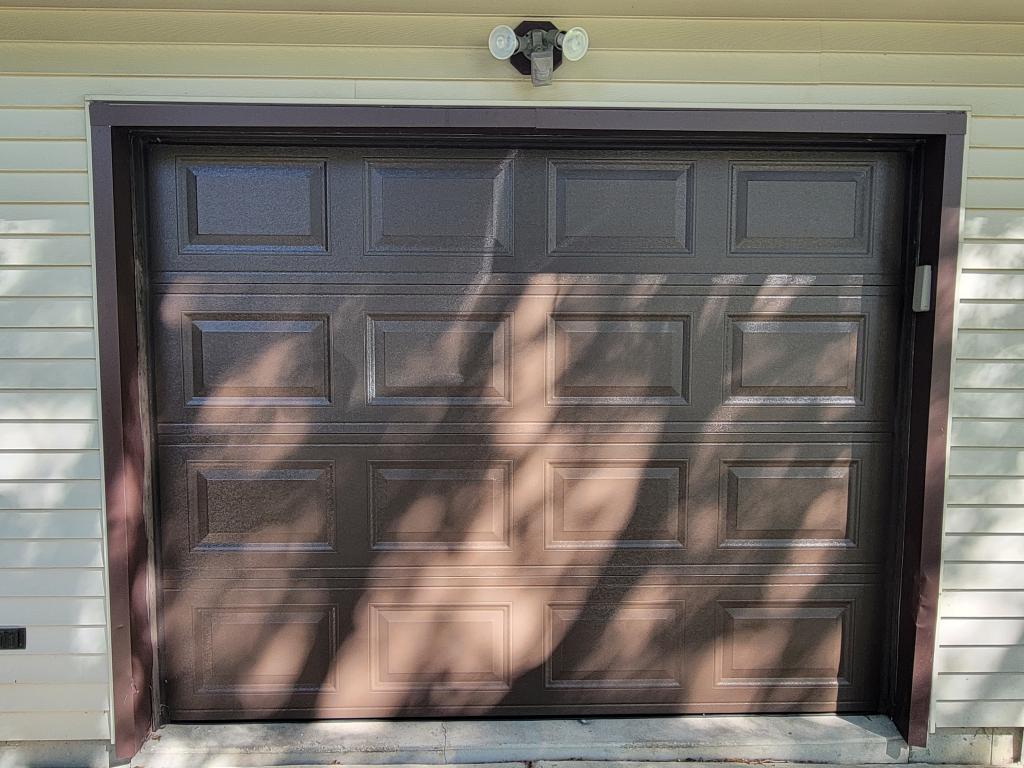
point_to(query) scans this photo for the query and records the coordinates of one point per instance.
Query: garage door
(473, 431)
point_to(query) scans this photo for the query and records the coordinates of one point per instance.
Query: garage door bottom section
(791, 738)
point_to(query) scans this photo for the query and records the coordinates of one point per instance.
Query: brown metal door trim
(113, 124)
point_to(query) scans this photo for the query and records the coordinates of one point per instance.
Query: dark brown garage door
(474, 431)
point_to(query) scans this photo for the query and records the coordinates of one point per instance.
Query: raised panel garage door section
(476, 431)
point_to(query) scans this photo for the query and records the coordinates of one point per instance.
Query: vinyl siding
(53, 61)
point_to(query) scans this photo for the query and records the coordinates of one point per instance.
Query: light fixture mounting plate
(522, 62)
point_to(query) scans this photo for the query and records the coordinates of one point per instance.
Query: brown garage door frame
(117, 126)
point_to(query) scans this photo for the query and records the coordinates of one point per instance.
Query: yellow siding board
(60, 155)
(48, 374)
(70, 553)
(55, 612)
(35, 698)
(29, 187)
(980, 576)
(982, 405)
(982, 605)
(409, 63)
(955, 631)
(58, 583)
(49, 436)
(991, 315)
(997, 375)
(975, 714)
(981, 224)
(994, 432)
(42, 123)
(997, 132)
(59, 494)
(51, 281)
(45, 313)
(47, 344)
(992, 255)
(972, 659)
(984, 491)
(990, 345)
(988, 461)
(52, 668)
(909, 10)
(64, 250)
(71, 725)
(71, 523)
(991, 519)
(420, 30)
(49, 405)
(52, 465)
(1001, 685)
(69, 219)
(985, 162)
(1001, 193)
(985, 547)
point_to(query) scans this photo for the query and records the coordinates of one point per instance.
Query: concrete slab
(810, 738)
(803, 739)
(348, 742)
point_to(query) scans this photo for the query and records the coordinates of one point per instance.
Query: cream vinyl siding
(52, 61)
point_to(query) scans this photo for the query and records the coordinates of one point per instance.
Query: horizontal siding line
(982, 301)
(992, 331)
(1012, 362)
(51, 567)
(49, 235)
(487, 16)
(55, 539)
(965, 271)
(954, 389)
(950, 561)
(46, 327)
(30, 203)
(973, 506)
(36, 359)
(41, 654)
(36, 108)
(49, 390)
(965, 358)
(420, 47)
(1013, 700)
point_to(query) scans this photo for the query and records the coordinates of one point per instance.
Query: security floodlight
(536, 48)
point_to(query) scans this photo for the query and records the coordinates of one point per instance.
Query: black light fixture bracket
(535, 36)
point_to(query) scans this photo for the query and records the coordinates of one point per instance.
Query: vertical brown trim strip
(131, 652)
(946, 231)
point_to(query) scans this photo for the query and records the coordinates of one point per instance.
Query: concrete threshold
(828, 739)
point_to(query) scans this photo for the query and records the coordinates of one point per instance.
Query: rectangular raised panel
(439, 647)
(263, 359)
(794, 208)
(262, 649)
(439, 359)
(614, 645)
(618, 359)
(784, 643)
(456, 206)
(252, 205)
(615, 505)
(618, 207)
(261, 505)
(795, 360)
(452, 505)
(789, 504)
